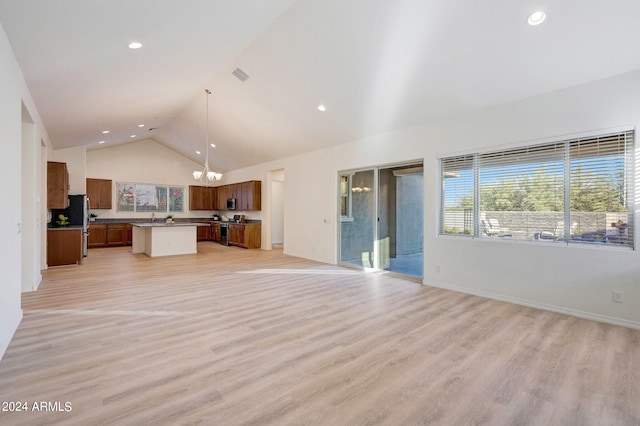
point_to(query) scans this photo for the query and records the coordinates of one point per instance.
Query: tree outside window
(133, 197)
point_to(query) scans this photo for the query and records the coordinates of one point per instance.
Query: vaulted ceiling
(377, 65)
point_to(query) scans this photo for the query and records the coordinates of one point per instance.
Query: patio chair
(491, 227)
(558, 232)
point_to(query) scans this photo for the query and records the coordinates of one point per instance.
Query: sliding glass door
(381, 218)
(357, 218)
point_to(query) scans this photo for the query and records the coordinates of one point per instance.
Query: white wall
(31, 206)
(577, 278)
(14, 94)
(10, 140)
(76, 161)
(574, 279)
(145, 161)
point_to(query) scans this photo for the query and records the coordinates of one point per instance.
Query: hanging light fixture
(207, 176)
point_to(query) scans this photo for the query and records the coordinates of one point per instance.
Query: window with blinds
(577, 190)
(457, 196)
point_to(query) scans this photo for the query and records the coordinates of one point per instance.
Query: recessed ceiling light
(101, 142)
(135, 45)
(132, 136)
(104, 132)
(198, 152)
(140, 125)
(213, 145)
(536, 18)
(322, 108)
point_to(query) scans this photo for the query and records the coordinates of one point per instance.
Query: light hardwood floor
(232, 336)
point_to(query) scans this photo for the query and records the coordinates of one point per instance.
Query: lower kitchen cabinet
(97, 235)
(204, 232)
(116, 234)
(109, 235)
(215, 232)
(64, 247)
(245, 235)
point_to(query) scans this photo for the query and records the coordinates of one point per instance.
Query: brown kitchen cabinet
(232, 190)
(109, 235)
(116, 234)
(97, 235)
(129, 229)
(204, 232)
(202, 197)
(251, 198)
(57, 185)
(215, 232)
(248, 195)
(235, 235)
(222, 196)
(245, 235)
(64, 247)
(100, 193)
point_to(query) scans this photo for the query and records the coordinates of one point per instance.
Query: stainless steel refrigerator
(78, 213)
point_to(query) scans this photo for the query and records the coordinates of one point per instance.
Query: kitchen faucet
(153, 216)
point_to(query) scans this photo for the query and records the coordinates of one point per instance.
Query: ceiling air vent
(242, 76)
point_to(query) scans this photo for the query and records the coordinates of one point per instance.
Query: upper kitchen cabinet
(100, 193)
(250, 195)
(202, 198)
(57, 185)
(222, 196)
(233, 190)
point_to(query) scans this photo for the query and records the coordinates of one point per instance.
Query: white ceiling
(377, 65)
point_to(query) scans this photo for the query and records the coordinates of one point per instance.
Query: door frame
(376, 213)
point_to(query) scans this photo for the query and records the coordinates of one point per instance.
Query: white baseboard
(533, 304)
(8, 327)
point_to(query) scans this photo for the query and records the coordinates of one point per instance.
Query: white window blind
(601, 186)
(457, 197)
(522, 191)
(577, 190)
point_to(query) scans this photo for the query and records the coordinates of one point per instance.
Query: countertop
(64, 227)
(190, 220)
(231, 222)
(168, 225)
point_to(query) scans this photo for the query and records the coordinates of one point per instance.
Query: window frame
(625, 138)
(169, 191)
(345, 195)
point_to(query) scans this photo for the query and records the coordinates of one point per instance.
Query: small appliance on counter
(238, 218)
(216, 217)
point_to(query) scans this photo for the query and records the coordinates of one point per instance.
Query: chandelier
(206, 175)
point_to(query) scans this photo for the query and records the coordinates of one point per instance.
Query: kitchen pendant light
(207, 176)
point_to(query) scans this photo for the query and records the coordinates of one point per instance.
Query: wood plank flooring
(232, 336)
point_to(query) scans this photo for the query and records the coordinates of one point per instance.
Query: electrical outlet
(618, 296)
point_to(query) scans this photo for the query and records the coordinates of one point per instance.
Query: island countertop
(167, 225)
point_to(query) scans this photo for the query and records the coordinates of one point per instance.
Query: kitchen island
(164, 239)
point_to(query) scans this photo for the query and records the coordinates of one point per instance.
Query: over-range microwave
(231, 204)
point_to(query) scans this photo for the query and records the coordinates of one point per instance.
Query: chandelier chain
(207, 175)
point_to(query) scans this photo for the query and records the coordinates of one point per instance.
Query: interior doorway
(277, 208)
(381, 218)
(30, 182)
